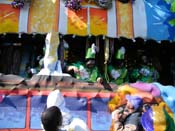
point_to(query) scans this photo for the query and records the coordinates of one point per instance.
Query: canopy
(149, 19)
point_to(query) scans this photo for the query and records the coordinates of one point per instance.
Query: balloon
(148, 87)
(157, 119)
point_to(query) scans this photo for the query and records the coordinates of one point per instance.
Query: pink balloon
(148, 87)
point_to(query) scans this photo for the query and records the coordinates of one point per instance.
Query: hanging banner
(142, 18)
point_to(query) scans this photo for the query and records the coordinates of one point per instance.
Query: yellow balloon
(126, 89)
(159, 118)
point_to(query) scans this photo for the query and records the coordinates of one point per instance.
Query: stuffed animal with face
(106, 4)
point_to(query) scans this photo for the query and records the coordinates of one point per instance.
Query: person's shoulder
(133, 118)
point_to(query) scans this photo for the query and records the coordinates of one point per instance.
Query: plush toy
(73, 4)
(18, 3)
(106, 4)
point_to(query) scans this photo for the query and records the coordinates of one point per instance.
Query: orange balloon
(118, 100)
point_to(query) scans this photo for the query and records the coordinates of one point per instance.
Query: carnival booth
(96, 60)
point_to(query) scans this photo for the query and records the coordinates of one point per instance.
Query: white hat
(55, 98)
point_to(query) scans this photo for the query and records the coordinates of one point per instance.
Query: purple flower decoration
(17, 3)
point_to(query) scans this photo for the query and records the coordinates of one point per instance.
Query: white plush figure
(52, 66)
(55, 98)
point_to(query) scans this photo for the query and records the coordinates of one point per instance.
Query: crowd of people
(57, 60)
(134, 114)
(136, 110)
(129, 61)
(118, 71)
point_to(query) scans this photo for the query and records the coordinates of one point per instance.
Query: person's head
(51, 119)
(144, 59)
(90, 63)
(134, 102)
(90, 56)
(119, 63)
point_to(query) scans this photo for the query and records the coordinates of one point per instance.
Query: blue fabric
(158, 16)
(13, 112)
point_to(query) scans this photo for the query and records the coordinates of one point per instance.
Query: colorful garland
(73, 4)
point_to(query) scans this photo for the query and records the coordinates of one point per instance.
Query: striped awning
(147, 19)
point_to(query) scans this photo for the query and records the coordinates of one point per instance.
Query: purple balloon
(148, 87)
(147, 120)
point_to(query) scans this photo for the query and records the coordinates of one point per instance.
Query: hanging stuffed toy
(17, 3)
(106, 4)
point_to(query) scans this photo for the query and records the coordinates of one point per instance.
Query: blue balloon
(147, 120)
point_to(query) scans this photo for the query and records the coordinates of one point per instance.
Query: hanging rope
(106, 51)
(111, 49)
(87, 45)
(97, 41)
